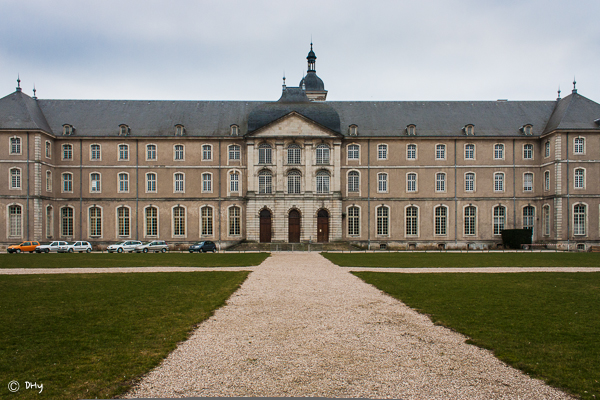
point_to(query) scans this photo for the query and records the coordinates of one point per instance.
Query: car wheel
(163, 250)
(88, 250)
(214, 250)
(145, 250)
(18, 251)
(47, 251)
(70, 250)
(119, 250)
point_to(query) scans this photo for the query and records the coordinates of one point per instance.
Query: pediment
(294, 125)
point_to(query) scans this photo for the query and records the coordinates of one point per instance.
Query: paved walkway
(301, 326)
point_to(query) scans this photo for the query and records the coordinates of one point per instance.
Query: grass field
(91, 335)
(108, 260)
(464, 260)
(546, 324)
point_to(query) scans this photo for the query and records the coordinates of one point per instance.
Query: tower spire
(558, 93)
(311, 59)
(574, 85)
(34, 96)
(18, 83)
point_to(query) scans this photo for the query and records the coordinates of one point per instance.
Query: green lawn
(92, 335)
(546, 324)
(107, 260)
(466, 260)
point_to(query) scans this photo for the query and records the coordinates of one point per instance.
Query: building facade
(407, 175)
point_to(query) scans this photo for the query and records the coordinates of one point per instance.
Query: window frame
(207, 182)
(16, 181)
(266, 186)
(382, 222)
(95, 222)
(353, 181)
(179, 222)
(382, 182)
(234, 222)
(15, 146)
(499, 149)
(440, 182)
(149, 226)
(440, 222)
(95, 153)
(207, 152)
(265, 154)
(179, 182)
(123, 152)
(499, 182)
(353, 221)
(354, 150)
(473, 181)
(123, 230)
(66, 182)
(178, 152)
(412, 222)
(123, 184)
(236, 151)
(498, 221)
(323, 154)
(409, 182)
(579, 148)
(207, 222)
(409, 149)
(151, 150)
(382, 151)
(151, 182)
(294, 154)
(323, 182)
(94, 189)
(440, 151)
(469, 148)
(528, 189)
(579, 226)
(528, 151)
(470, 221)
(67, 150)
(579, 182)
(295, 182)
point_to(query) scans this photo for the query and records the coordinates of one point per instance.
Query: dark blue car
(203, 247)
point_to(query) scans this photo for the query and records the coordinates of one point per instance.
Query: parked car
(25, 246)
(79, 247)
(203, 247)
(47, 248)
(155, 246)
(128, 246)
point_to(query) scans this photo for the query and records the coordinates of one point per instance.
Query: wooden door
(322, 226)
(265, 226)
(294, 227)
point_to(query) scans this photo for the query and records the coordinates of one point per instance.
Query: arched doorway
(294, 226)
(322, 226)
(265, 226)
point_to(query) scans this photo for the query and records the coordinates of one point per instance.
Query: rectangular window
(322, 183)
(123, 217)
(528, 217)
(123, 152)
(206, 183)
(579, 219)
(48, 149)
(469, 152)
(547, 149)
(151, 152)
(470, 220)
(178, 156)
(265, 183)
(66, 221)
(151, 221)
(123, 182)
(95, 152)
(178, 221)
(15, 178)
(49, 222)
(382, 183)
(353, 152)
(151, 182)
(469, 182)
(95, 182)
(383, 221)
(579, 178)
(353, 221)
(322, 154)
(234, 221)
(15, 221)
(293, 154)
(264, 154)
(353, 181)
(578, 146)
(179, 183)
(67, 152)
(528, 182)
(441, 220)
(234, 152)
(411, 182)
(234, 182)
(498, 182)
(440, 182)
(67, 182)
(411, 152)
(382, 152)
(206, 152)
(546, 220)
(412, 220)
(498, 152)
(15, 145)
(207, 221)
(95, 221)
(294, 182)
(499, 216)
(440, 152)
(528, 152)
(546, 180)
(48, 181)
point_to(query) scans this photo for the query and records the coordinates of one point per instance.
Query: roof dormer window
(68, 130)
(411, 130)
(235, 130)
(353, 130)
(527, 129)
(179, 130)
(469, 129)
(123, 130)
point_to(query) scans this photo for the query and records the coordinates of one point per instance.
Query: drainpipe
(137, 187)
(80, 189)
(455, 198)
(514, 189)
(27, 203)
(568, 198)
(219, 201)
(368, 194)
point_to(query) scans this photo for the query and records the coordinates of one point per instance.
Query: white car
(47, 248)
(128, 246)
(79, 247)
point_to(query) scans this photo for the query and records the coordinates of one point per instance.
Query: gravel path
(301, 326)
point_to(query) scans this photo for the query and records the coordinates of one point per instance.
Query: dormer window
(469, 130)
(527, 130)
(68, 130)
(411, 130)
(179, 130)
(123, 130)
(235, 130)
(353, 130)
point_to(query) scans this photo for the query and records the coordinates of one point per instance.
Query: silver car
(47, 248)
(128, 246)
(155, 246)
(79, 247)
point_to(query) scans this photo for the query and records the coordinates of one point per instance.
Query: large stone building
(408, 174)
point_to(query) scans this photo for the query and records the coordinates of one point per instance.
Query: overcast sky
(239, 50)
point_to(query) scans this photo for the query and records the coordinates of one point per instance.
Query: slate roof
(373, 118)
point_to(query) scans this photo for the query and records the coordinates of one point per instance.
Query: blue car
(203, 247)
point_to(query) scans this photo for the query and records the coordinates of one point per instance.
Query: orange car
(25, 246)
